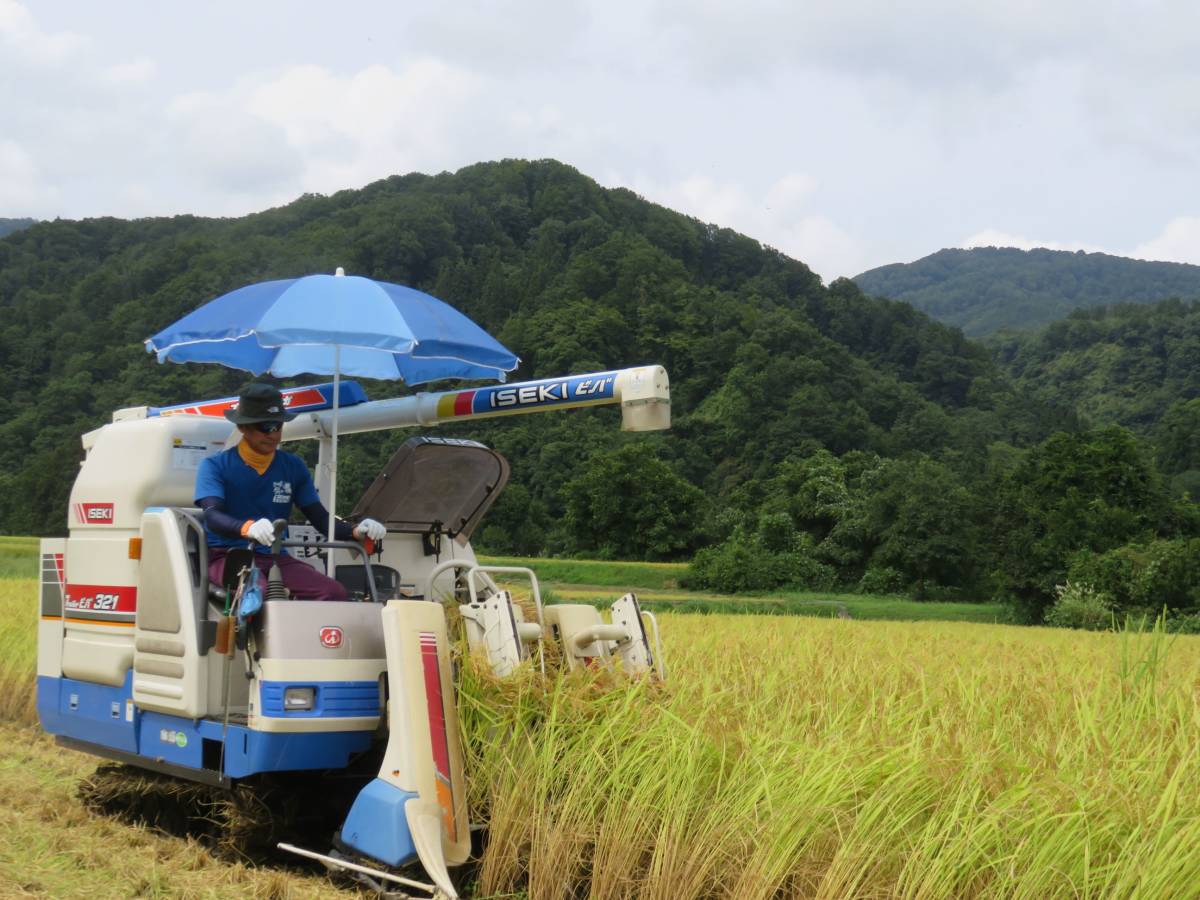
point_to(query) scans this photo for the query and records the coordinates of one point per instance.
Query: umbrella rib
(472, 362)
(415, 344)
(155, 349)
(332, 344)
(316, 343)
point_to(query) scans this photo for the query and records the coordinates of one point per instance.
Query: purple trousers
(305, 582)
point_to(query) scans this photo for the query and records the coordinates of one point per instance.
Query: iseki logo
(331, 637)
(552, 392)
(95, 513)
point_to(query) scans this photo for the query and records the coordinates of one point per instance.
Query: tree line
(989, 289)
(821, 436)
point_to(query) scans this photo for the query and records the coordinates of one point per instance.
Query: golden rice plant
(795, 757)
(825, 758)
(18, 649)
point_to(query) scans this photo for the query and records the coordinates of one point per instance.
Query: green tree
(517, 524)
(1177, 437)
(925, 525)
(766, 363)
(1144, 578)
(1089, 491)
(627, 503)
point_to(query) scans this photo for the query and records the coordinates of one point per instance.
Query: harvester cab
(142, 660)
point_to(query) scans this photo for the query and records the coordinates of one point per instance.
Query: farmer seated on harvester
(244, 489)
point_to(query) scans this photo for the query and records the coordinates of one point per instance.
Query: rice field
(787, 757)
(826, 758)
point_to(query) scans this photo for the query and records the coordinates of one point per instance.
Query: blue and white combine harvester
(143, 661)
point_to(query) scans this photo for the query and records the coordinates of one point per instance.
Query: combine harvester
(143, 661)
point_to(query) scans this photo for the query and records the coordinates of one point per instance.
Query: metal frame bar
(203, 776)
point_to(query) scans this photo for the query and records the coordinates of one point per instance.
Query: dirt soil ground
(51, 845)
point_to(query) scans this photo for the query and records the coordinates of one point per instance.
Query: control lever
(275, 586)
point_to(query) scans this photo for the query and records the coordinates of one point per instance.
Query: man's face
(258, 441)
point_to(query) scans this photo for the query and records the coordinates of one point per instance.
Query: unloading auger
(141, 660)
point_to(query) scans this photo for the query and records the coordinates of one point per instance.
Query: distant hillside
(8, 226)
(1123, 365)
(820, 437)
(989, 289)
(765, 361)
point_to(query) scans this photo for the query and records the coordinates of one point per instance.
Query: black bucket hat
(259, 403)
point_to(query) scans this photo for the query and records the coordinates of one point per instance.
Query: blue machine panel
(247, 752)
(172, 739)
(96, 713)
(548, 392)
(376, 824)
(106, 716)
(331, 699)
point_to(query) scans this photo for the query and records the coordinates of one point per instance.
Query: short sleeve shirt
(248, 495)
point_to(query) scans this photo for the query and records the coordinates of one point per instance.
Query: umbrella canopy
(334, 324)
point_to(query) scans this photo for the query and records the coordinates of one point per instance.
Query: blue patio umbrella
(331, 324)
(335, 325)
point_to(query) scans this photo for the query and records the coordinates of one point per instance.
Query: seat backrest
(235, 560)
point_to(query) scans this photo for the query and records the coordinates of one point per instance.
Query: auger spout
(644, 394)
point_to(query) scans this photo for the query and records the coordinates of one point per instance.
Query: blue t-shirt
(248, 495)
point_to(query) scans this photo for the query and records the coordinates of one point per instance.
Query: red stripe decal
(215, 409)
(462, 403)
(437, 729)
(301, 397)
(62, 575)
(293, 398)
(107, 599)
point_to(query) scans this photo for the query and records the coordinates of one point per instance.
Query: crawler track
(243, 823)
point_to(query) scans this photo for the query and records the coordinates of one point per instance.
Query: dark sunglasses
(268, 427)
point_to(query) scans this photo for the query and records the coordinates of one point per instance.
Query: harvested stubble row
(813, 758)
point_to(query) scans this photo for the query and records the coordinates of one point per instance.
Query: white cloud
(942, 43)
(373, 123)
(231, 154)
(824, 246)
(136, 71)
(708, 200)
(26, 40)
(19, 188)
(957, 65)
(503, 37)
(790, 191)
(268, 137)
(777, 216)
(848, 135)
(1178, 242)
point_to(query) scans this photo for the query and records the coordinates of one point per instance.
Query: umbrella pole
(337, 365)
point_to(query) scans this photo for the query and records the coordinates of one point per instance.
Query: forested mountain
(988, 289)
(837, 438)
(8, 226)
(1130, 365)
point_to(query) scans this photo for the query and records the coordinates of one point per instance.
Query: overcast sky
(848, 134)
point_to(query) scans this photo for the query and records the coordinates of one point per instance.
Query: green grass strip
(601, 573)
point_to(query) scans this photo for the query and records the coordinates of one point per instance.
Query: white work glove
(371, 529)
(262, 532)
